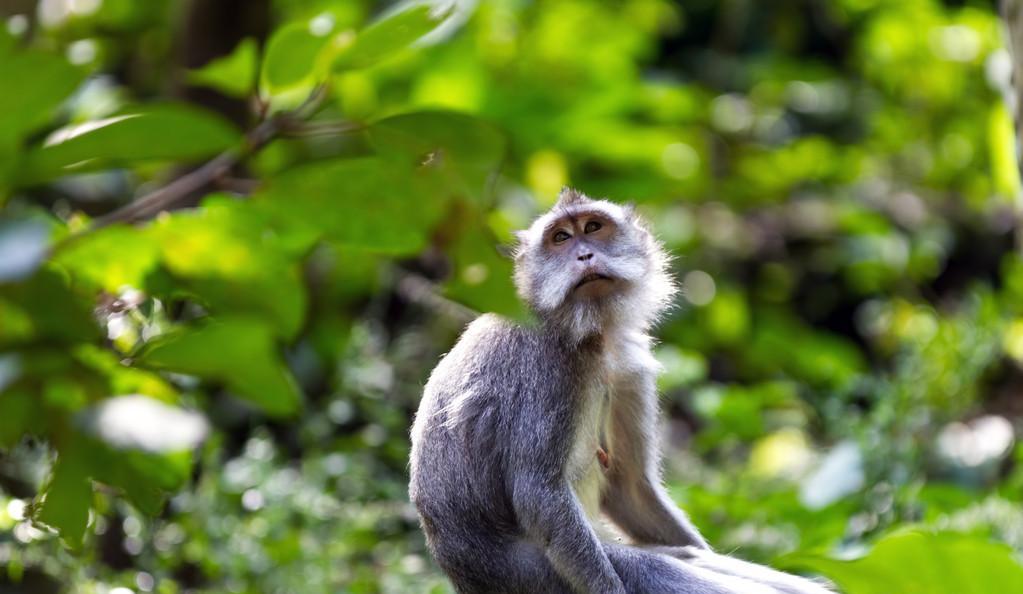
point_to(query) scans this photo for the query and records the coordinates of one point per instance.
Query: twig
(238, 185)
(307, 129)
(181, 188)
(169, 195)
(421, 291)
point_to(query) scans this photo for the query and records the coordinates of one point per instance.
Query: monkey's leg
(645, 572)
(492, 567)
(723, 564)
(523, 568)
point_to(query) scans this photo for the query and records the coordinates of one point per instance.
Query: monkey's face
(588, 253)
(579, 244)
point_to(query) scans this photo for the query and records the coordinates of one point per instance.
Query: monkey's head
(590, 265)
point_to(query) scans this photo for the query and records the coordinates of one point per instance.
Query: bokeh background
(236, 235)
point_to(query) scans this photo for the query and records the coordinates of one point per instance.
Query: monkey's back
(502, 385)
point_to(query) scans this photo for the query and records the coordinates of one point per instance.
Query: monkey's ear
(514, 249)
(629, 210)
(633, 217)
(507, 250)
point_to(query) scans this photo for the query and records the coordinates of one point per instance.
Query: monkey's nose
(586, 256)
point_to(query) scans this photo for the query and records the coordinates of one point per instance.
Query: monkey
(534, 449)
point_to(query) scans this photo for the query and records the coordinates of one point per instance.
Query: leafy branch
(175, 192)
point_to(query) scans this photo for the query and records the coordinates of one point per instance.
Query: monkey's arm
(552, 518)
(635, 499)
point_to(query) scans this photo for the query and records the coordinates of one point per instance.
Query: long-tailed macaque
(529, 438)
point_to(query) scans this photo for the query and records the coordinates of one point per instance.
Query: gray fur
(505, 472)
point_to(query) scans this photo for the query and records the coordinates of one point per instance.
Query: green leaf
(463, 150)
(144, 477)
(7, 42)
(43, 82)
(240, 352)
(20, 410)
(366, 203)
(152, 133)
(391, 34)
(233, 75)
(682, 368)
(482, 276)
(122, 379)
(44, 308)
(229, 257)
(925, 563)
(66, 502)
(110, 258)
(225, 254)
(296, 60)
(1004, 169)
(782, 341)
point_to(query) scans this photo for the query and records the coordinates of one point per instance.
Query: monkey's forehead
(591, 207)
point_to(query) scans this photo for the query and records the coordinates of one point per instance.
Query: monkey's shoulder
(498, 341)
(497, 357)
(491, 326)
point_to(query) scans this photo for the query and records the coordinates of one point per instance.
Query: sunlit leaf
(110, 258)
(237, 351)
(233, 263)
(121, 378)
(925, 563)
(1004, 169)
(391, 34)
(297, 57)
(153, 132)
(234, 74)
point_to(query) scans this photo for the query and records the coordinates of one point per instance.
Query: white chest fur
(628, 359)
(592, 433)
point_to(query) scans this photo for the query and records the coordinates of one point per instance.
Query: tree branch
(178, 190)
(421, 291)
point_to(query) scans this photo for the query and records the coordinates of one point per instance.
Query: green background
(213, 394)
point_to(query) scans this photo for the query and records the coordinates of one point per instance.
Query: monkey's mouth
(592, 277)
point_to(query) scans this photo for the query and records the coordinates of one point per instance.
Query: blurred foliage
(217, 398)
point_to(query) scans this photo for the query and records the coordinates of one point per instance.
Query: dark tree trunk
(211, 29)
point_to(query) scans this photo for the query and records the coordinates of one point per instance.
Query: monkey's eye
(592, 226)
(561, 236)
